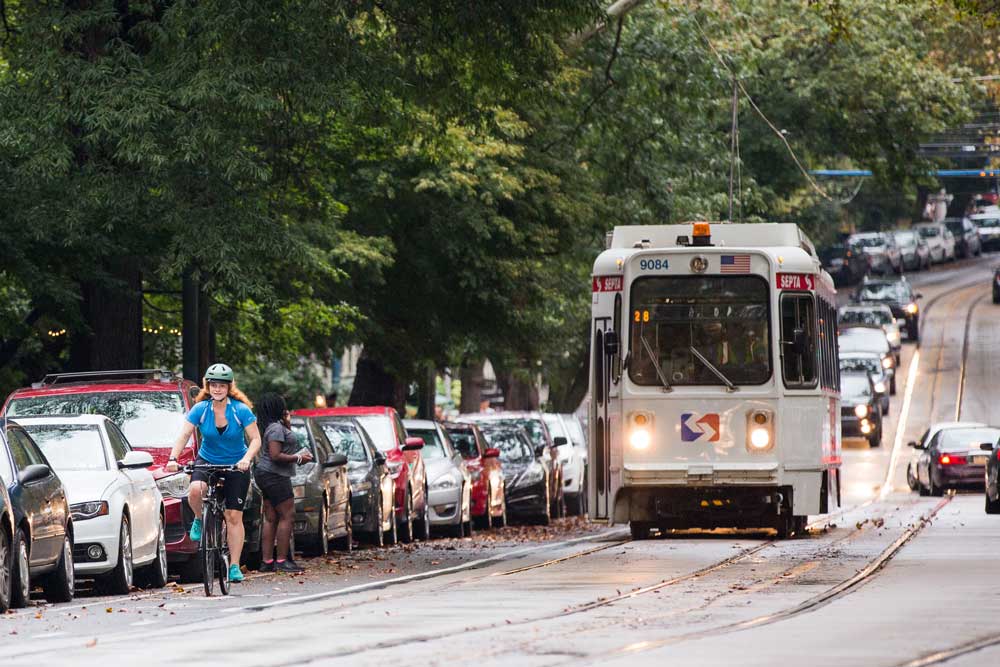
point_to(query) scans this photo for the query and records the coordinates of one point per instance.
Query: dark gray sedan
(992, 450)
(322, 493)
(954, 459)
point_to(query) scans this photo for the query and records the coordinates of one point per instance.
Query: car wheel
(875, 439)
(393, 524)
(6, 556)
(321, 543)
(155, 574)
(545, 518)
(932, 488)
(913, 331)
(467, 513)
(378, 535)
(20, 580)
(119, 581)
(406, 526)
(911, 479)
(892, 385)
(992, 506)
(59, 586)
(423, 527)
(639, 530)
(346, 543)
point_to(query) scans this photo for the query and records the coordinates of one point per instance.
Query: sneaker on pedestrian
(235, 574)
(195, 533)
(288, 566)
(267, 566)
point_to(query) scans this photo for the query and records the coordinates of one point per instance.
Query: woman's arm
(253, 433)
(278, 456)
(186, 430)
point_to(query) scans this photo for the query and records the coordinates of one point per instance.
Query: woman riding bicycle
(223, 415)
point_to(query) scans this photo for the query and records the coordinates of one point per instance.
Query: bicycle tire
(222, 559)
(208, 549)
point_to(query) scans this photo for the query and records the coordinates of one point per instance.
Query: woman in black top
(278, 459)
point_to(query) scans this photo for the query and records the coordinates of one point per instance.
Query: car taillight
(951, 460)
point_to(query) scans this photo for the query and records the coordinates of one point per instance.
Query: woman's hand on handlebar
(243, 465)
(172, 466)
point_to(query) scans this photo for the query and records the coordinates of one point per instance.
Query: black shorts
(276, 489)
(235, 485)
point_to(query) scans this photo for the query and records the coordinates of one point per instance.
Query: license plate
(979, 460)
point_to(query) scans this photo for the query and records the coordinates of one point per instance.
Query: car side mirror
(491, 453)
(914, 444)
(413, 444)
(559, 441)
(611, 343)
(335, 461)
(379, 459)
(986, 446)
(136, 460)
(918, 295)
(33, 473)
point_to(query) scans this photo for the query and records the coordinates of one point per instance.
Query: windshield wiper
(656, 365)
(708, 364)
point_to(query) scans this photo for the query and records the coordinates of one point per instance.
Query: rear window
(345, 439)
(513, 447)
(464, 440)
(433, 447)
(148, 418)
(961, 439)
(929, 232)
(379, 427)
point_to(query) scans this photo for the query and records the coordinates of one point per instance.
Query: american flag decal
(736, 263)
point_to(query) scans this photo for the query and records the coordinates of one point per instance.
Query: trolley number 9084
(652, 264)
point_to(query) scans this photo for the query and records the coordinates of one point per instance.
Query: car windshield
(576, 431)
(433, 447)
(987, 222)
(883, 292)
(556, 427)
(70, 446)
(868, 241)
(345, 438)
(859, 339)
(148, 418)
(379, 427)
(513, 447)
(860, 364)
(464, 440)
(724, 318)
(534, 427)
(856, 387)
(955, 227)
(864, 316)
(929, 232)
(833, 252)
(961, 439)
(906, 239)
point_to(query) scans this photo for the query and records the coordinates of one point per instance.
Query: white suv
(940, 241)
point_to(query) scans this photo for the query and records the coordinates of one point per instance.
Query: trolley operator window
(798, 336)
(725, 318)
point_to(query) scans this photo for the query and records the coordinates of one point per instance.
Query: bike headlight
(174, 486)
(444, 482)
(911, 308)
(861, 410)
(91, 510)
(887, 362)
(532, 475)
(880, 387)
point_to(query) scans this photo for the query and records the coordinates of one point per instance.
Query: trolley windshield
(724, 318)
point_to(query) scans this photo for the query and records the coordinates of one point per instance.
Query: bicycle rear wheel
(209, 540)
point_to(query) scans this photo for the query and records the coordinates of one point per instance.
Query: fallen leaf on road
(109, 610)
(92, 643)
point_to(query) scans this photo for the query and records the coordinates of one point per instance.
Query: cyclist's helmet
(219, 373)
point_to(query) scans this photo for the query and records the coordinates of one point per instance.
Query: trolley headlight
(861, 410)
(760, 431)
(639, 439)
(911, 308)
(640, 434)
(887, 362)
(760, 438)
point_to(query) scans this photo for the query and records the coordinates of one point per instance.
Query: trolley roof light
(701, 234)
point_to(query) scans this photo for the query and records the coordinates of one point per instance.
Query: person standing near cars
(278, 460)
(225, 418)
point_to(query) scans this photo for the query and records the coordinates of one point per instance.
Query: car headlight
(444, 482)
(880, 387)
(861, 410)
(893, 336)
(532, 475)
(911, 308)
(362, 485)
(887, 362)
(91, 510)
(866, 428)
(174, 486)
(394, 467)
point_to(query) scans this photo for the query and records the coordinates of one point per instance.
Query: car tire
(423, 526)
(406, 526)
(921, 489)
(892, 385)
(545, 518)
(468, 528)
(911, 478)
(393, 524)
(992, 506)
(321, 541)
(20, 580)
(6, 569)
(119, 581)
(60, 585)
(154, 575)
(932, 488)
(639, 530)
(875, 439)
(913, 331)
(346, 542)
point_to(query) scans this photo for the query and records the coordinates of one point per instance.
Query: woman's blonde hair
(204, 394)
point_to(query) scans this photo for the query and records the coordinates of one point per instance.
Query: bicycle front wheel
(222, 561)
(208, 551)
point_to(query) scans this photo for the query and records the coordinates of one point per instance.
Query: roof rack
(160, 374)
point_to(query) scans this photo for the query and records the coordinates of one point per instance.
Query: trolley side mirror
(611, 342)
(799, 342)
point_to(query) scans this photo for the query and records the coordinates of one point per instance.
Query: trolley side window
(798, 340)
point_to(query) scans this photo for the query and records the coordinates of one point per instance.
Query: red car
(149, 406)
(402, 455)
(489, 504)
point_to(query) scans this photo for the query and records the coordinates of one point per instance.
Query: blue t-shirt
(228, 447)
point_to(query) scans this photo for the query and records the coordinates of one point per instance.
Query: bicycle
(213, 549)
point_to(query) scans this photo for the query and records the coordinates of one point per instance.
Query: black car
(526, 472)
(860, 411)
(6, 541)
(42, 544)
(899, 296)
(953, 459)
(846, 263)
(996, 285)
(372, 486)
(967, 243)
(992, 450)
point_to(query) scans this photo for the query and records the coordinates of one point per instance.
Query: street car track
(965, 354)
(949, 654)
(956, 304)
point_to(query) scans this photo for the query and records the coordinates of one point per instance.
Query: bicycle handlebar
(209, 467)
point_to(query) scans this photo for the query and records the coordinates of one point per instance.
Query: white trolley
(714, 388)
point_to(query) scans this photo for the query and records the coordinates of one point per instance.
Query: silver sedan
(449, 484)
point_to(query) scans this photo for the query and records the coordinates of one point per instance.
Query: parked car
(489, 506)
(871, 363)
(988, 225)
(449, 484)
(860, 338)
(899, 296)
(6, 544)
(322, 492)
(953, 459)
(42, 545)
(996, 285)
(992, 476)
(149, 407)
(967, 243)
(845, 263)
(117, 509)
(526, 472)
(913, 250)
(534, 424)
(883, 254)
(940, 241)
(860, 414)
(373, 503)
(403, 458)
(874, 315)
(925, 438)
(573, 460)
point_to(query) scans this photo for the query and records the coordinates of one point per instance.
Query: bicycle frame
(213, 549)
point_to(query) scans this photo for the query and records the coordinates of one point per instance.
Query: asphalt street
(891, 579)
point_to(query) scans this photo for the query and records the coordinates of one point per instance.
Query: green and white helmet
(219, 373)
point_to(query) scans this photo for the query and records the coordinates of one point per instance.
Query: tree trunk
(471, 376)
(568, 399)
(112, 311)
(206, 356)
(189, 327)
(518, 393)
(427, 393)
(374, 386)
